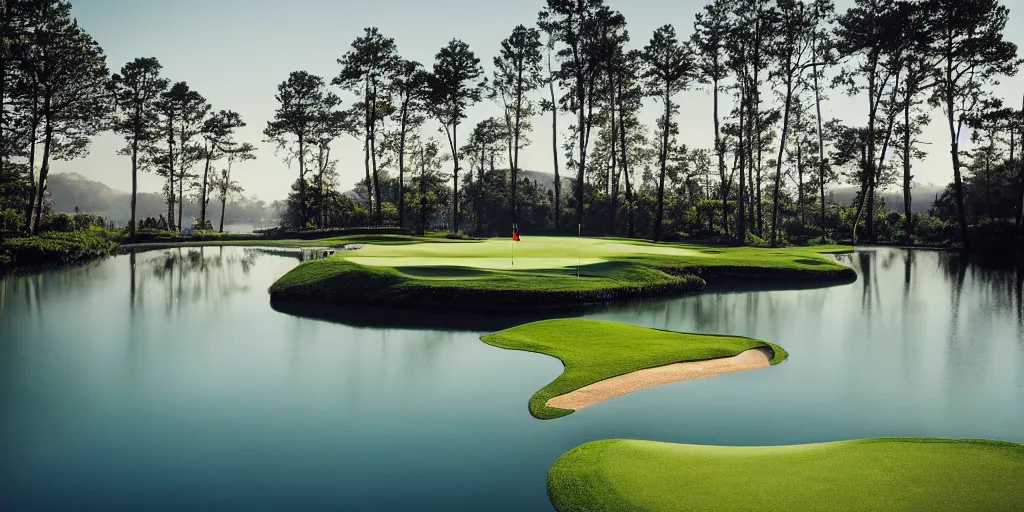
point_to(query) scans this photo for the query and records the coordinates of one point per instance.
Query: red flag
(515, 235)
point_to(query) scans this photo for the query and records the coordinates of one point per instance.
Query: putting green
(480, 275)
(871, 474)
(469, 262)
(532, 253)
(593, 351)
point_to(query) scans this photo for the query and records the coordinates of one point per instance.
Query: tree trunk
(1020, 182)
(720, 152)
(423, 193)
(741, 214)
(302, 181)
(630, 220)
(366, 145)
(958, 184)
(663, 164)
(455, 179)
(33, 130)
(224, 196)
(554, 145)
(401, 166)
(45, 169)
(613, 180)
(821, 135)
(778, 162)
(908, 223)
(373, 161)
(203, 192)
(515, 142)
(865, 169)
(582, 164)
(135, 184)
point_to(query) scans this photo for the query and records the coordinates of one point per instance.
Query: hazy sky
(236, 52)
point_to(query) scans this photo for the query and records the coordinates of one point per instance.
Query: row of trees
(58, 94)
(769, 66)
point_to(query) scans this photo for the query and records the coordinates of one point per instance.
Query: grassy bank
(55, 248)
(482, 275)
(875, 474)
(593, 351)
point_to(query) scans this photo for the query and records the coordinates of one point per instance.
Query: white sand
(650, 377)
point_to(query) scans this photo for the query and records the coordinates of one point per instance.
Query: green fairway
(421, 272)
(873, 474)
(593, 351)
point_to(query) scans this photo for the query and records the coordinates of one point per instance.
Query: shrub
(12, 221)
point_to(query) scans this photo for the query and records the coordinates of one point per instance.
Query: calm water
(176, 386)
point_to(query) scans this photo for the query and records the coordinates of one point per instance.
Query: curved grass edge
(575, 482)
(344, 283)
(538, 404)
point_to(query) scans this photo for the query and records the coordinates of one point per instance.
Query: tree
(218, 135)
(329, 124)
(483, 150)
(629, 98)
(551, 105)
(967, 41)
(409, 87)
(710, 30)
(790, 50)
(821, 58)
(224, 184)
(368, 67)
(869, 34)
(136, 91)
(301, 100)
(454, 87)
(918, 65)
(182, 113)
(70, 70)
(517, 73)
(579, 25)
(670, 66)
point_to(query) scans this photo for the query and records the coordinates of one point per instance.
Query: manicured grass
(872, 474)
(429, 272)
(593, 351)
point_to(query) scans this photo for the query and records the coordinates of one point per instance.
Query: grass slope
(872, 474)
(426, 272)
(593, 351)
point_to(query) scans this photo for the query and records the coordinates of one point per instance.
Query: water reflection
(254, 409)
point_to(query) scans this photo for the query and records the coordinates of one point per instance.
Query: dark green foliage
(55, 248)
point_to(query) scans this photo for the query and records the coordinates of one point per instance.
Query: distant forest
(772, 176)
(70, 192)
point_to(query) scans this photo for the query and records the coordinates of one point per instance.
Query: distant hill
(70, 190)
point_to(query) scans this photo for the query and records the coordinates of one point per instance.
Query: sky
(236, 52)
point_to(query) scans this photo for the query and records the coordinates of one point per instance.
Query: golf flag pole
(513, 245)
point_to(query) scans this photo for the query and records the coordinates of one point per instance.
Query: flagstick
(513, 245)
(579, 242)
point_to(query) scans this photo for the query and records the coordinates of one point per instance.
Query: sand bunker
(650, 377)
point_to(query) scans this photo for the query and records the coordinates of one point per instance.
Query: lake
(166, 381)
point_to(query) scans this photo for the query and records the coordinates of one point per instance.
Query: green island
(870, 474)
(593, 351)
(481, 274)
